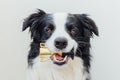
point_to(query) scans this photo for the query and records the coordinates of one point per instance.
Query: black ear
(88, 23)
(30, 20)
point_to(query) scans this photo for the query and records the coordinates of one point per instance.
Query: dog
(65, 32)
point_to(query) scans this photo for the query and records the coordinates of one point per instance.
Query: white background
(14, 44)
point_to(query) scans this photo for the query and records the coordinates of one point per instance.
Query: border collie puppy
(65, 32)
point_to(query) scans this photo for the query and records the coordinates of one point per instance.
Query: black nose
(61, 43)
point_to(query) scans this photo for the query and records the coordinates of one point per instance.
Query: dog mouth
(61, 59)
(58, 58)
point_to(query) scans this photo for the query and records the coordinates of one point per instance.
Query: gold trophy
(45, 53)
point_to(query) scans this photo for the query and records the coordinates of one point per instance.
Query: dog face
(61, 32)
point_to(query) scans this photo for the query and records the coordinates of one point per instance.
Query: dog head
(61, 31)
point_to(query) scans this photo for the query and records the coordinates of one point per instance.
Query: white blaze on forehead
(60, 19)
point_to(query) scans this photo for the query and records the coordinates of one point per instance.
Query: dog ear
(88, 24)
(31, 19)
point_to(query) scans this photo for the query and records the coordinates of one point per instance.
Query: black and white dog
(68, 33)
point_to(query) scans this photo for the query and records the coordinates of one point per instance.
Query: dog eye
(73, 31)
(48, 30)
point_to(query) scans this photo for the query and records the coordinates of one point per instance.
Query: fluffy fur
(77, 29)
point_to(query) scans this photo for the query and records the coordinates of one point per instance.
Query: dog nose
(61, 43)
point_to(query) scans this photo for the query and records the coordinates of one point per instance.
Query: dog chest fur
(49, 71)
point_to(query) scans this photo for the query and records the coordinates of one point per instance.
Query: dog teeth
(65, 59)
(55, 60)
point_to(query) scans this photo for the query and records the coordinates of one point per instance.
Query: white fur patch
(73, 70)
(60, 20)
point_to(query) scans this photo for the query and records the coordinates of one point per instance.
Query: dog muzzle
(59, 57)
